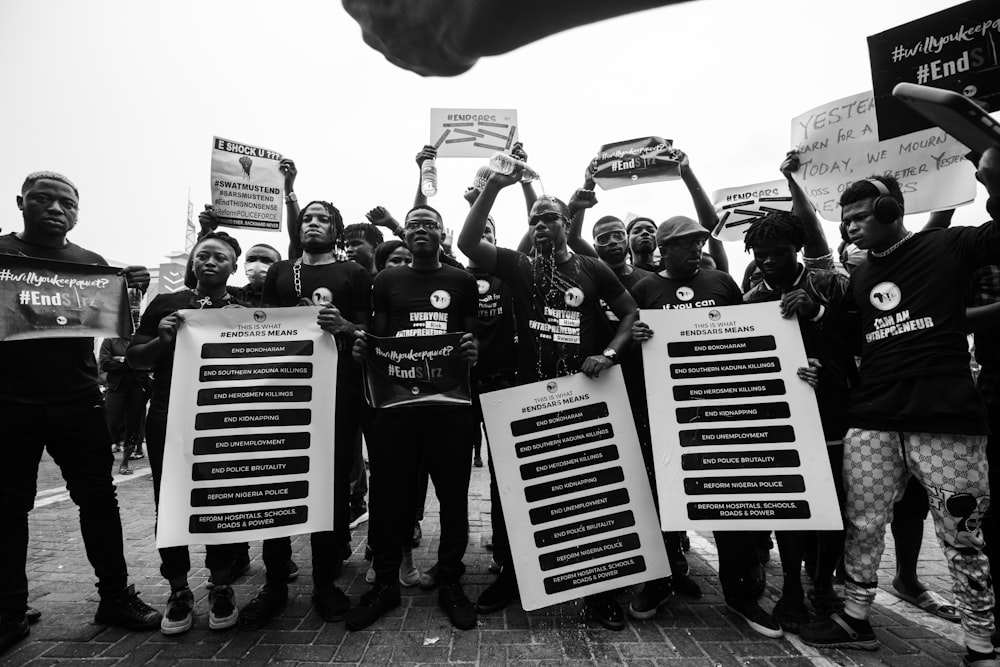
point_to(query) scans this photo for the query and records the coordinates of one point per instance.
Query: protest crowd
(908, 429)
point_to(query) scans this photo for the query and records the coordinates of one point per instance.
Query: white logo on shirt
(322, 297)
(483, 286)
(440, 299)
(574, 297)
(685, 293)
(885, 296)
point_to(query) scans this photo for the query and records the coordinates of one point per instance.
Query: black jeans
(443, 436)
(77, 439)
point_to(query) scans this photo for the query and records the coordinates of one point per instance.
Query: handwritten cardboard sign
(473, 132)
(737, 208)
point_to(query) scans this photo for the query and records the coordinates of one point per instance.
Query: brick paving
(685, 632)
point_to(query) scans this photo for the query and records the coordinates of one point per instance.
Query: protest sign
(570, 472)
(44, 298)
(644, 160)
(737, 208)
(416, 370)
(246, 185)
(838, 144)
(955, 49)
(249, 450)
(473, 132)
(737, 438)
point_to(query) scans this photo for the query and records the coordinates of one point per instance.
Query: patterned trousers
(952, 468)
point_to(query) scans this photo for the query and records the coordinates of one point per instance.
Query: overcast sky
(124, 97)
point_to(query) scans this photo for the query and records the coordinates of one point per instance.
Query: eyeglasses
(548, 218)
(429, 225)
(607, 238)
(686, 243)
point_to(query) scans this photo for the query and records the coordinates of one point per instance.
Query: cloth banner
(249, 452)
(416, 370)
(473, 132)
(246, 186)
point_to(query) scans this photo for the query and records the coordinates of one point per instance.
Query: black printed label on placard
(769, 458)
(745, 509)
(731, 413)
(549, 420)
(594, 574)
(563, 464)
(583, 529)
(703, 348)
(699, 392)
(580, 436)
(279, 371)
(205, 421)
(285, 348)
(590, 551)
(768, 484)
(584, 482)
(227, 522)
(264, 394)
(293, 465)
(257, 442)
(742, 435)
(711, 369)
(248, 493)
(557, 511)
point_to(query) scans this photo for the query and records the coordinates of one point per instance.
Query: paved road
(685, 632)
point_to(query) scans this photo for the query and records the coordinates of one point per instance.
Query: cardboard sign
(473, 132)
(246, 186)
(43, 298)
(249, 451)
(955, 49)
(838, 144)
(737, 438)
(737, 208)
(572, 482)
(416, 370)
(645, 160)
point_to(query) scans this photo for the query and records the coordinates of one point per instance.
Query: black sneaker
(127, 611)
(381, 598)
(459, 608)
(654, 594)
(683, 584)
(499, 594)
(478, 462)
(33, 615)
(825, 602)
(12, 630)
(293, 570)
(331, 603)
(759, 620)
(605, 609)
(270, 601)
(791, 614)
(835, 632)
(222, 611)
(179, 613)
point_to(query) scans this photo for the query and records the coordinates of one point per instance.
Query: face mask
(256, 271)
(853, 256)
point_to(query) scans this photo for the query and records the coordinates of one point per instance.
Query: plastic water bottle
(428, 177)
(504, 163)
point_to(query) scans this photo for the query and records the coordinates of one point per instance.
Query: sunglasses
(688, 243)
(547, 218)
(429, 225)
(607, 238)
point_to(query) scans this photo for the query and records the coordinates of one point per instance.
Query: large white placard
(249, 452)
(576, 499)
(737, 438)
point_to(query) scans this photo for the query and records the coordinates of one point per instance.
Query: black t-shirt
(914, 354)
(425, 302)
(705, 288)
(497, 350)
(558, 313)
(51, 370)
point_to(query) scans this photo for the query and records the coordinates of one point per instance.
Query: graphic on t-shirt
(440, 299)
(885, 296)
(574, 297)
(321, 296)
(685, 293)
(425, 323)
(483, 286)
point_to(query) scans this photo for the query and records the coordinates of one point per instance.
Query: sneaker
(409, 575)
(835, 632)
(33, 615)
(499, 594)
(478, 462)
(370, 574)
(115, 448)
(759, 620)
(359, 519)
(683, 584)
(429, 579)
(127, 611)
(980, 662)
(293, 570)
(605, 609)
(791, 614)
(418, 534)
(270, 601)
(381, 598)
(654, 594)
(222, 612)
(825, 602)
(137, 454)
(238, 569)
(331, 603)
(459, 608)
(178, 616)
(12, 630)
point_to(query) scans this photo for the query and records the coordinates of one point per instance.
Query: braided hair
(779, 226)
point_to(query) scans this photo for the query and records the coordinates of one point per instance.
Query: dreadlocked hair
(780, 226)
(365, 231)
(332, 211)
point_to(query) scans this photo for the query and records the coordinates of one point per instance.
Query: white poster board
(246, 186)
(737, 438)
(838, 144)
(738, 207)
(249, 451)
(473, 132)
(576, 499)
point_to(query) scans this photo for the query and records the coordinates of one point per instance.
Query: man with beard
(343, 290)
(551, 292)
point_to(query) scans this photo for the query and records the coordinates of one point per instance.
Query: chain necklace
(297, 277)
(883, 253)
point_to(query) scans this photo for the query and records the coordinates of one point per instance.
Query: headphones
(885, 208)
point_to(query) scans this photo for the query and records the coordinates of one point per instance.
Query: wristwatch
(611, 354)
(290, 197)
